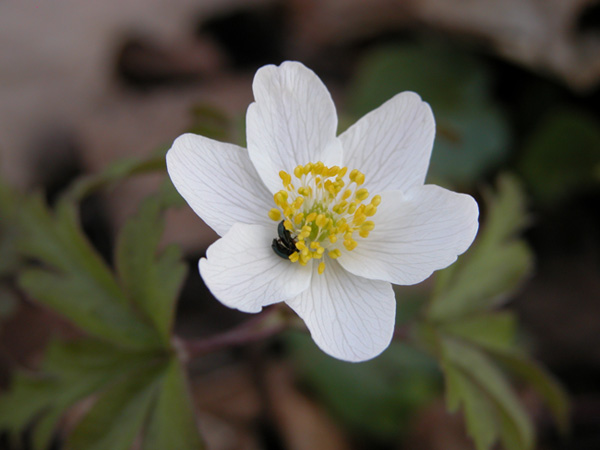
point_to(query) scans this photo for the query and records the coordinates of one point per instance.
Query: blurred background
(514, 86)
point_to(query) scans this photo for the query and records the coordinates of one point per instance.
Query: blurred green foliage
(474, 342)
(561, 156)
(375, 398)
(128, 363)
(459, 325)
(472, 133)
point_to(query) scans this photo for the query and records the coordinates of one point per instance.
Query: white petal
(293, 121)
(392, 144)
(349, 317)
(219, 182)
(415, 234)
(243, 272)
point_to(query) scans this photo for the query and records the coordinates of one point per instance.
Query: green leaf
(480, 414)
(472, 133)
(74, 280)
(495, 265)
(474, 376)
(116, 418)
(377, 397)
(115, 172)
(491, 331)
(544, 384)
(562, 155)
(71, 371)
(151, 280)
(172, 424)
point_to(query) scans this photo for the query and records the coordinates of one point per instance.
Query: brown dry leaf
(541, 35)
(435, 429)
(304, 424)
(228, 406)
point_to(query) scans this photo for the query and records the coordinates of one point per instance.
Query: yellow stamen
(350, 244)
(334, 254)
(321, 268)
(362, 194)
(370, 210)
(285, 177)
(275, 214)
(321, 205)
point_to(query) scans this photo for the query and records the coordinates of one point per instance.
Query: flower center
(321, 207)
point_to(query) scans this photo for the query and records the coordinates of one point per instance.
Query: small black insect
(285, 245)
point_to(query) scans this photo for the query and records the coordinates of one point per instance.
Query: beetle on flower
(324, 223)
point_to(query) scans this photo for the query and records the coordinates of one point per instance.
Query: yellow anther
(298, 202)
(339, 184)
(312, 216)
(305, 253)
(357, 176)
(362, 194)
(321, 221)
(350, 244)
(352, 208)
(298, 171)
(304, 191)
(359, 219)
(369, 225)
(307, 168)
(298, 218)
(348, 236)
(288, 211)
(318, 168)
(280, 198)
(300, 245)
(288, 225)
(375, 201)
(333, 171)
(334, 254)
(321, 268)
(342, 172)
(285, 177)
(333, 238)
(370, 210)
(294, 257)
(315, 245)
(363, 233)
(347, 193)
(306, 229)
(320, 251)
(275, 214)
(340, 207)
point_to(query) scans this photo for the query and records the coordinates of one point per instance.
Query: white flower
(323, 223)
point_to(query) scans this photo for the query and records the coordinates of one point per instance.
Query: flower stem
(267, 324)
(272, 321)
